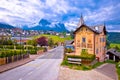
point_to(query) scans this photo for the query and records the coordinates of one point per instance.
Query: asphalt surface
(45, 67)
(108, 70)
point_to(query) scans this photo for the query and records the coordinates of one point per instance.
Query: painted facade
(91, 39)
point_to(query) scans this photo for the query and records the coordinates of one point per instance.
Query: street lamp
(20, 42)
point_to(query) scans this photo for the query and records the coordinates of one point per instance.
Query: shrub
(19, 47)
(33, 52)
(90, 57)
(68, 50)
(30, 47)
(15, 52)
(2, 55)
(9, 53)
(40, 48)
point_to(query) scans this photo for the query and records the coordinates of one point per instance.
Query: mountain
(46, 25)
(4, 25)
(25, 27)
(113, 37)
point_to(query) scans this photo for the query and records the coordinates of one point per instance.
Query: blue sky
(29, 12)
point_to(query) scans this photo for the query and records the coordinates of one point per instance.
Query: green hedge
(7, 46)
(19, 47)
(11, 46)
(87, 57)
(68, 50)
(40, 48)
(33, 52)
(9, 53)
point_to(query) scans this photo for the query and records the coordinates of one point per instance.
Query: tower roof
(81, 22)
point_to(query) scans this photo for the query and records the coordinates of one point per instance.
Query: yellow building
(90, 38)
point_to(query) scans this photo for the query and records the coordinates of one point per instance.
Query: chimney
(96, 28)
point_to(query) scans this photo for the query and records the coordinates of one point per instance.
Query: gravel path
(69, 74)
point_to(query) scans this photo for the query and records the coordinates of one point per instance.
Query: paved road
(103, 72)
(108, 70)
(45, 67)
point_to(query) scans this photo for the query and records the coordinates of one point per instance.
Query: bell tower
(81, 22)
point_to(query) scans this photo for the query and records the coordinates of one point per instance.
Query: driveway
(108, 70)
(45, 67)
(104, 72)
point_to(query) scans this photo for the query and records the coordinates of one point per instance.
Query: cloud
(71, 25)
(29, 12)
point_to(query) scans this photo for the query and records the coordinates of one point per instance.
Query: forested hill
(113, 37)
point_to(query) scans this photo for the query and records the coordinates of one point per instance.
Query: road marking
(20, 79)
(30, 73)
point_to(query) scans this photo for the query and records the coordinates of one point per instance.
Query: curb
(4, 70)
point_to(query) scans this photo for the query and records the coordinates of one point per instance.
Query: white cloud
(71, 25)
(30, 11)
(100, 15)
(22, 9)
(113, 30)
(110, 27)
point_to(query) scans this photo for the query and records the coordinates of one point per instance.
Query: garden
(11, 53)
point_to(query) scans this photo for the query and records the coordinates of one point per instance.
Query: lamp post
(20, 43)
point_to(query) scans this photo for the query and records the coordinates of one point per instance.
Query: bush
(19, 47)
(118, 69)
(40, 48)
(33, 52)
(68, 50)
(9, 53)
(9, 46)
(30, 47)
(90, 57)
(2, 55)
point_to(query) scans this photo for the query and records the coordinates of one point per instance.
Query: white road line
(30, 73)
(20, 79)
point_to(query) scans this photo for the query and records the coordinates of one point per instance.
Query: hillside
(114, 37)
(4, 25)
(55, 38)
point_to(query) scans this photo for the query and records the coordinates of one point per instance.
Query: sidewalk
(12, 65)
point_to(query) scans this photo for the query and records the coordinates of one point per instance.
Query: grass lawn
(118, 69)
(55, 38)
(112, 45)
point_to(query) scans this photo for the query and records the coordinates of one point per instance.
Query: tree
(108, 44)
(71, 33)
(9, 42)
(64, 34)
(116, 47)
(32, 42)
(50, 42)
(42, 41)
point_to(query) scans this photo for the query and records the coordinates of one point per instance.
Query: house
(4, 36)
(69, 45)
(91, 39)
(112, 54)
